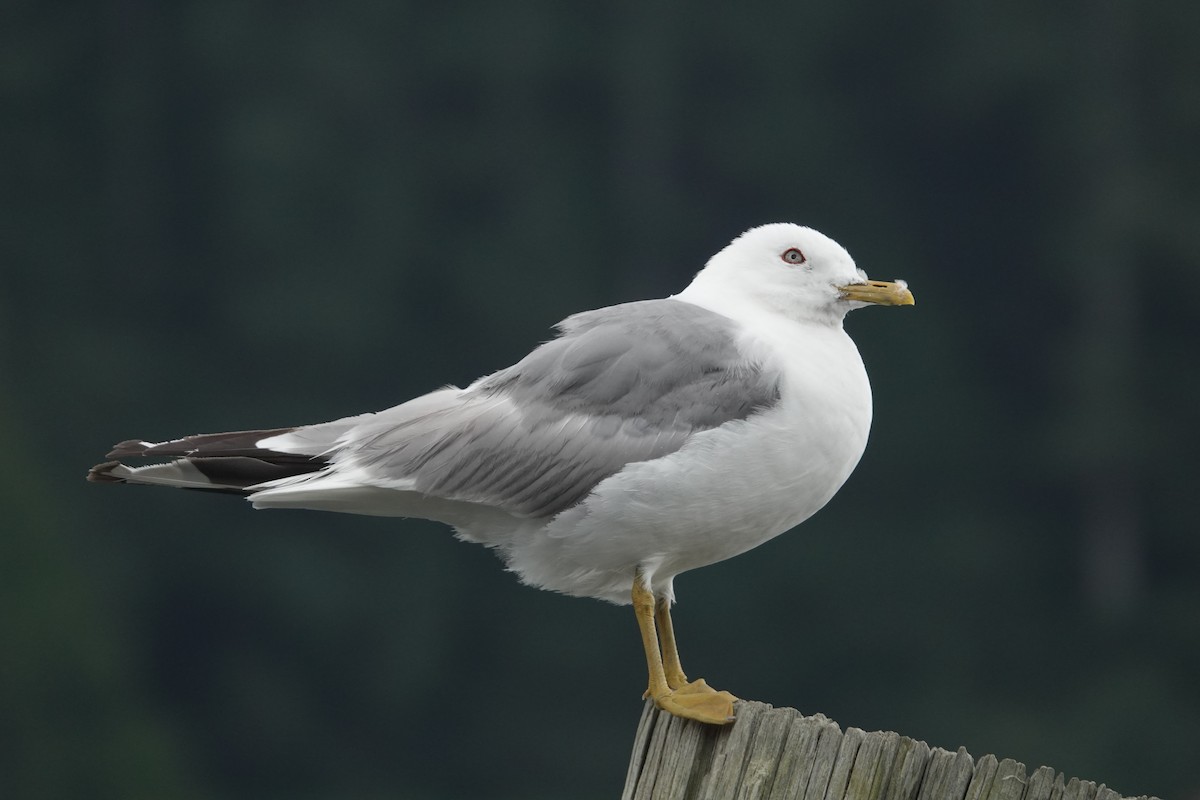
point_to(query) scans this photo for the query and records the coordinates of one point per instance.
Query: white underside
(726, 491)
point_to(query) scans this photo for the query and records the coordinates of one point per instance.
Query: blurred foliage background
(222, 215)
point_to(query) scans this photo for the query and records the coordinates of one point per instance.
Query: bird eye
(793, 256)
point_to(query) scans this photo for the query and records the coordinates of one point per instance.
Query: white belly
(728, 490)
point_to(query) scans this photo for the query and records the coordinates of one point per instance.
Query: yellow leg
(670, 652)
(643, 609)
(672, 669)
(689, 700)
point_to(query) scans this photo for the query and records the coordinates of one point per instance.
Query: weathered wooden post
(777, 754)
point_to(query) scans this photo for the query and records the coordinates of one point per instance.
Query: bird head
(795, 271)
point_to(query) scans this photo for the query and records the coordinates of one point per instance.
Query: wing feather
(620, 385)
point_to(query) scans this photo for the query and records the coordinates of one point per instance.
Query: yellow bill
(884, 293)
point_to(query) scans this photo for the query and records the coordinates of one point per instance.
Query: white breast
(727, 490)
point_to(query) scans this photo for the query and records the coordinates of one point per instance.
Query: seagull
(647, 439)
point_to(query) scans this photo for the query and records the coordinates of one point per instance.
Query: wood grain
(780, 754)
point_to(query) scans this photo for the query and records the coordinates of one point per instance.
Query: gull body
(727, 490)
(648, 439)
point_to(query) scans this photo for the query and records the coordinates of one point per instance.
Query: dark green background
(221, 215)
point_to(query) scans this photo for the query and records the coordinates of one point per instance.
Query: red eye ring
(793, 256)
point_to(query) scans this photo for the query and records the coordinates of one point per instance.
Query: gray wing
(621, 384)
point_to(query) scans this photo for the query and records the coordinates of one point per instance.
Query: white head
(794, 271)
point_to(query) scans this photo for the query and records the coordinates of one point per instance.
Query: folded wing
(622, 384)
